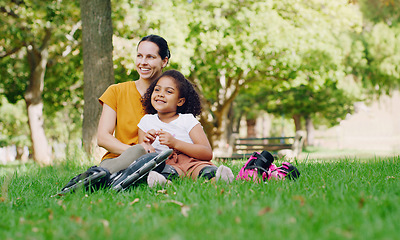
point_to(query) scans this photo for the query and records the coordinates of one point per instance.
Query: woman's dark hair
(161, 43)
(186, 90)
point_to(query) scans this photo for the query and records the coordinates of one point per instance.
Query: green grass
(337, 199)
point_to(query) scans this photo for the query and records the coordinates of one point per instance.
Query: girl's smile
(166, 97)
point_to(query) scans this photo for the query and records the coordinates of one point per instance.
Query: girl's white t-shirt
(178, 128)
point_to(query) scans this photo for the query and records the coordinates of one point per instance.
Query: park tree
(35, 35)
(379, 70)
(98, 69)
(232, 48)
(309, 81)
(378, 67)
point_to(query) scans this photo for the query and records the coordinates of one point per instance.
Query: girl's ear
(181, 101)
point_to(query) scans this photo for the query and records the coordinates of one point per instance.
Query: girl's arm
(199, 149)
(105, 131)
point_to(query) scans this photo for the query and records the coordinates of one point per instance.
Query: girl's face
(149, 64)
(165, 97)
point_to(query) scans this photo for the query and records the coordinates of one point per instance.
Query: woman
(122, 108)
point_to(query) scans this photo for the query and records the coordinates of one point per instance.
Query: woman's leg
(123, 161)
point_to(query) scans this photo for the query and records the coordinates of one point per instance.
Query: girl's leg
(194, 168)
(225, 174)
(123, 161)
(190, 167)
(219, 173)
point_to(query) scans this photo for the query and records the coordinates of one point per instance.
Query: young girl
(171, 104)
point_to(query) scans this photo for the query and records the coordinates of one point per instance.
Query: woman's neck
(167, 117)
(142, 85)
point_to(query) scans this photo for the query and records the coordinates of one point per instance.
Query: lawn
(335, 199)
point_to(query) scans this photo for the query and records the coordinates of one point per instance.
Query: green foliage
(13, 80)
(14, 124)
(66, 124)
(380, 70)
(328, 103)
(25, 25)
(308, 76)
(232, 46)
(387, 11)
(333, 199)
(377, 66)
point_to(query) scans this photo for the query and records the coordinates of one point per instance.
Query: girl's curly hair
(186, 90)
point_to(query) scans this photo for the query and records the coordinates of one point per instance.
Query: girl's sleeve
(143, 123)
(191, 121)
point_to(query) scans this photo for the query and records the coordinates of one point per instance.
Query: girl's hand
(167, 139)
(150, 136)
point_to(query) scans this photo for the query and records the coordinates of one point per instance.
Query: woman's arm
(199, 149)
(105, 131)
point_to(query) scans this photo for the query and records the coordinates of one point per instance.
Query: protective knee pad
(169, 172)
(92, 179)
(102, 183)
(120, 176)
(208, 172)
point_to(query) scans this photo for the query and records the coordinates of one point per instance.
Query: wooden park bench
(244, 147)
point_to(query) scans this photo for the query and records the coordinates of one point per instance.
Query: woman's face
(149, 64)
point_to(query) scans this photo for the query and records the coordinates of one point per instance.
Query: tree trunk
(215, 119)
(297, 122)
(251, 128)
(37, 59)
(98, 69)
(215, 128)
(310, 132)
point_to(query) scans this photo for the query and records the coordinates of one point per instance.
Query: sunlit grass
(337, 199)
